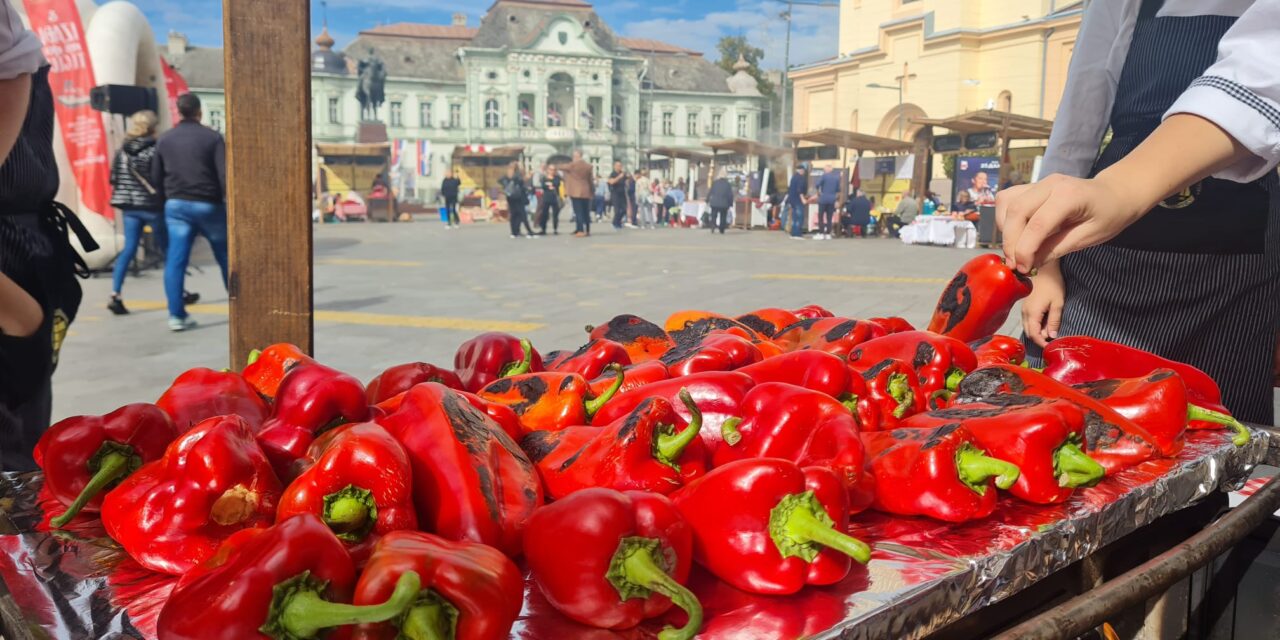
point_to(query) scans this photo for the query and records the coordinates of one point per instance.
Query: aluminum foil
(923, 575)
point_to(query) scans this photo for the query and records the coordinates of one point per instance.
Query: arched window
(492, 114)
(1005, 101)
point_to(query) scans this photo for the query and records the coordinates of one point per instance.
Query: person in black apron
(1193, 278)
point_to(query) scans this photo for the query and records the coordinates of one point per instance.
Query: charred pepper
(550, 401)
(978, 299)
(837, 336)
(1159, 403)
(268, 367)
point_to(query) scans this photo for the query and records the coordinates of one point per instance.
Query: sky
(694, 24)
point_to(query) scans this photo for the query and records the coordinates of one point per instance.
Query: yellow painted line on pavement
(375, 319)
(361, 262)
(704, 249)
(831, 278)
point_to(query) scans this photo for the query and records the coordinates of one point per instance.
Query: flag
(424, 158)
(57, 23)
(174, 85)
(525, 116)
(589, 117)
(553, 116)
(397, 151)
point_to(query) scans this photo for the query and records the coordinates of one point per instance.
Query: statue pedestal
(371, 132)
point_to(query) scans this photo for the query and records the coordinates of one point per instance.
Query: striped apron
(1198, 278)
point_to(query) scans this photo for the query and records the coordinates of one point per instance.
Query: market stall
(480, 168)
(846, 141)
(350, 176)
(749, 207)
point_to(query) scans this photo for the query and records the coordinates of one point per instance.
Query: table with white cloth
(691, 212)
(940, 230)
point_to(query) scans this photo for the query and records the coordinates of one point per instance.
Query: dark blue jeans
(186, 219)
(134, 221)
(797, 219)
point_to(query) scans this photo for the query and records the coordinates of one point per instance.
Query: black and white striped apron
(1196, 279)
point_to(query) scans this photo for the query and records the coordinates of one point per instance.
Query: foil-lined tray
(78, 584)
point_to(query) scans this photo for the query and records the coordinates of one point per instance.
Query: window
(692, 125)
(424, 115)
(716, 124)
(644, 122)
(215, 120)
(526, 111)
(668, 124)
(455, 116)
(397, 114)
(554, 117)
(492, 115)
(742, 125)
(335, 116)
(595, 113)
(615, 120)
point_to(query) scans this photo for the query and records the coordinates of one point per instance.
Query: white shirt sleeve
(1096, 62)
(19, 48)
(1241, 91)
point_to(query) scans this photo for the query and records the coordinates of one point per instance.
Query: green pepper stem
(1075, 469)
(976, 467)
(670, 444)
(729, 431)
(304, 613)
(900, 390)
(525, 363)
(431, 617)
(1241, 437)
(850, 402)
(111, 467)
(800, 520)
(253, 356)
(636, 572)
(954, 376)
(593, 405)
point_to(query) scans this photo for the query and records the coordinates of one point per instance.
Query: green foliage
(731, 46)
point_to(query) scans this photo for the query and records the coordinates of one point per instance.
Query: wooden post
(268, 89)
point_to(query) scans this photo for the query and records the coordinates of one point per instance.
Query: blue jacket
(795, 191)
(829, 187)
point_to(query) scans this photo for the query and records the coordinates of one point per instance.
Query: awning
(480, 151)
(683, 154)
(860, 142)
(749, 148)
(374, 149)
(1011, 126)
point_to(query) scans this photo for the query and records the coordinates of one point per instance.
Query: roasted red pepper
(1159, 403)
(84, 455)
(690, 327)
(172, 513)
(633, 377)
(893, 324)
(499, 413)
(471, 481)
(310, 399)
(809, 428)
(816, 370)
(469, 591)
(942, 473)
(812, 311)
(650, 449)
(940, 361)
(837, 336)
(200, 394)
(1115, 441)
(999, 349)
(550, 401)
(768, 322)
(718, 395)
(268, 367)
(642, 339)
(713, 352)
(884, 392)
(767, 526)
(400, 378)
(1044, 440)
(493, 355)
(979, 298)
(359, 487)
(613, 560)
(591, 360)
(279, 585)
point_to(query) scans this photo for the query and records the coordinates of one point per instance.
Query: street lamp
(894, 87)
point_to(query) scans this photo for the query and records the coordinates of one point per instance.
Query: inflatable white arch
(122, 50)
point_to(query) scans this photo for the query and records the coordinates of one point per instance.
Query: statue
(372, 75)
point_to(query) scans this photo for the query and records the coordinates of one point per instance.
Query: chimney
(177, 44)
(459, 19)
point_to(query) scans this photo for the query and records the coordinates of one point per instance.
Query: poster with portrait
(977, 176)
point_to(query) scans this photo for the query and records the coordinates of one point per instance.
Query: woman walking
(720, 200)
(517, 194)
(135, 196)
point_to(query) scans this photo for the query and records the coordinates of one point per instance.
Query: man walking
(828, 188)
(578, 187)
(190, 171)
(449, 191)
(795, 202)
(618, 191)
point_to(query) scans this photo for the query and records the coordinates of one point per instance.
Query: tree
(731, 46)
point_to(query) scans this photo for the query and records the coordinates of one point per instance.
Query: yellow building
(950, 56)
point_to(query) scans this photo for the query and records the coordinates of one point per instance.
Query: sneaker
(631, 226)
(116, 306)
(181, 324)
(513, 237)
(190, 298)
(579, 235)
(817, 236)
(797, 237)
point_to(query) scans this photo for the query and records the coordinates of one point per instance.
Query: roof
(1011, 125)
(748, 148)
(851, 140)
(686, 73)
(429, 31)
(647, 45)
(201, 67)
(518, 24)
(410, 57)
(375, 149)
(676, 152)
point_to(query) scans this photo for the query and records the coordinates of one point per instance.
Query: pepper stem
(799, 525)
(431, 617)
(954, 376)
(525, 363)
(669, 445)
(940, 398)
(850, 402)
(1241, 437)
(639, 569)
(298, 611)
(900, 390)
(976, 467)
(351, 513)
(1074, 468)
(111, 462)
(253, 356)
(594, 404)
(729, 431)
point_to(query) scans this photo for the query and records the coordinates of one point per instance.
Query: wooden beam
(268, 89)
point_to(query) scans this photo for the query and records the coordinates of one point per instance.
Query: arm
(15, 97)
(157, 171)
(20, 314)
(220, 160)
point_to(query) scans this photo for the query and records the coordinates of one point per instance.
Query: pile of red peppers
(293, 498)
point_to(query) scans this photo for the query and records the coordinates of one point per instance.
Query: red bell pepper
(713, 352)
(84, 455)
(1159, 403)
(884, 392)
(942, 473)
(809, 428)
(489, 356)
(837, 336)
(172, 513)
(812, 311)
(690, 327)
(651, 449)
(978, 299)
(613, 560)
(940, 361)
(400, 378)
(550, 401)
(279, 585)
(469, 591)
(999, 349)
(200, 394)
(768, 322)
(816, 370)
(268, 367)
(310, 400)
(633, 377)
(1115, 441)
(767, 526)
(499, 413)
(359, 487)
(591, 360)
(718, 395)
(643, 340)
(1044, 440)
(893, 324)
(471, 481)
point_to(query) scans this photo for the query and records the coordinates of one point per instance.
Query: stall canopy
(487, 152)
(861, 142)
(748, 148)
(683, 154)
(1010, 126)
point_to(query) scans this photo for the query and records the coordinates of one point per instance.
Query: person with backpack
(517, 193)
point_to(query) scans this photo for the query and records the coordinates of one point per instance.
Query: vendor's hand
(1042, 310)
(1058, 215)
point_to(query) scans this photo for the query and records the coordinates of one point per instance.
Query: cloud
(815, 31)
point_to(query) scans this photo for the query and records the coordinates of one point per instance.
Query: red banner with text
(174, 85)
(57, 22)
